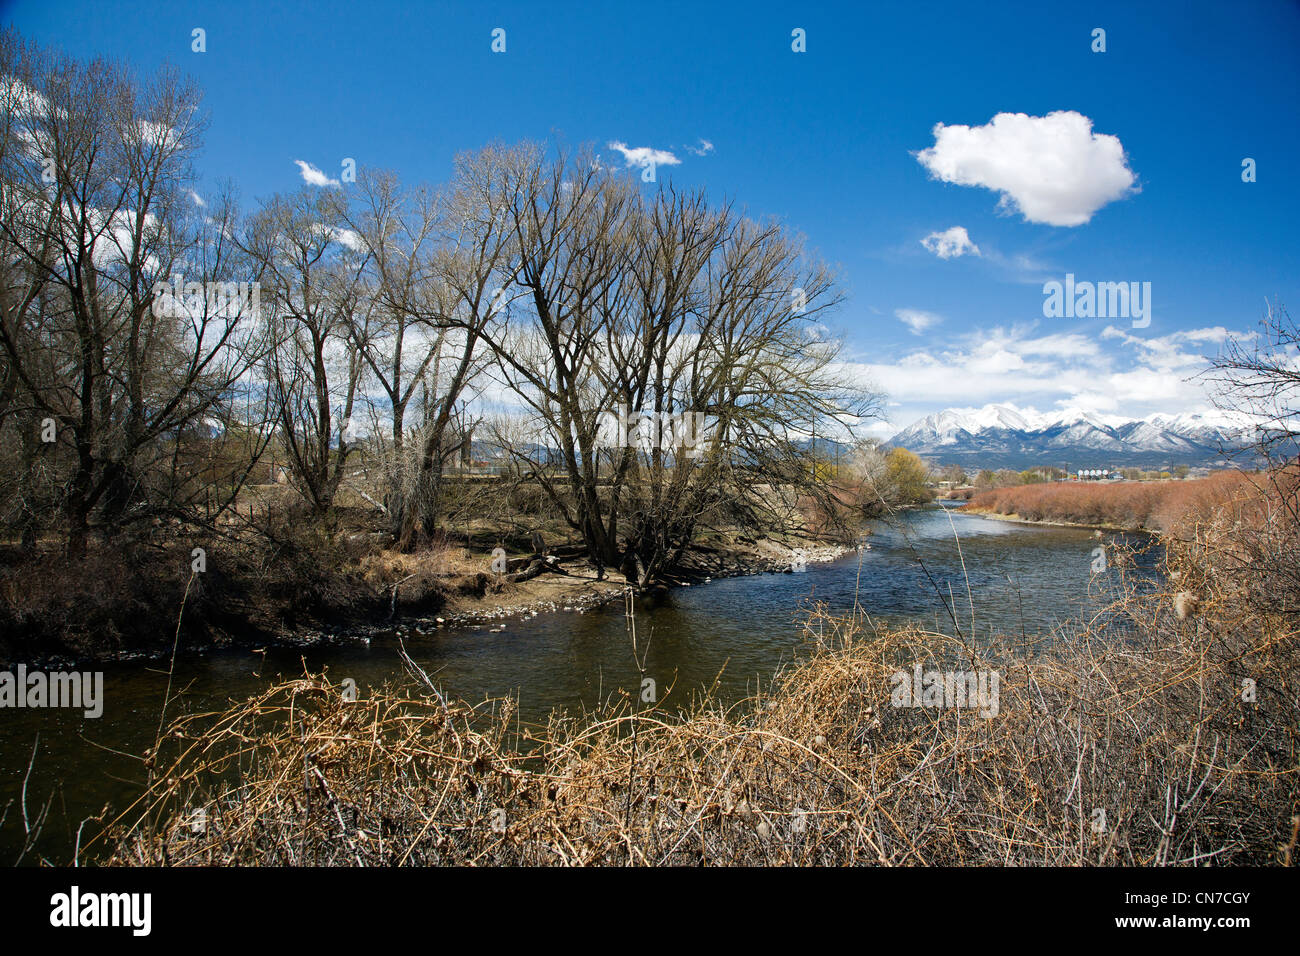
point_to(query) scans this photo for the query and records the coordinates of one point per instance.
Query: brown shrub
(1154, 506)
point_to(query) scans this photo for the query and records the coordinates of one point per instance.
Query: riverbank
(1167, 507)
(310, 590)
(823, 767)
(1019, 519)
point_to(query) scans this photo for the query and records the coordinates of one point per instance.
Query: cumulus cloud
(313, 176)
(916, 320)
(644, 156)
(1051, 169)
(951, 243)
(702, 149)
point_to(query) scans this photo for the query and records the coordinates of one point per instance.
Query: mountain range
(1004, 436)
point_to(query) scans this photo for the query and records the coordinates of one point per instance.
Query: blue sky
(832, 141)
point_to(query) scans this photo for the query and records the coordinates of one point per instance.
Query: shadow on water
(724, 636)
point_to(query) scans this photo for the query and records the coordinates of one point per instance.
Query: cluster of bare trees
(154, 346)
(101, 394)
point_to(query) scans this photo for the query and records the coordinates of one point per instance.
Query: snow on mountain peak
(1006, 415)
(1006, 431)
(975, 420)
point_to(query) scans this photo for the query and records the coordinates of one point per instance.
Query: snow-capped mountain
(1004, 436)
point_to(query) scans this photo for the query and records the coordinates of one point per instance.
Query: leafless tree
(1260, 378)
(313, 294)
(432, 259)
(95, 183)
(660, 305)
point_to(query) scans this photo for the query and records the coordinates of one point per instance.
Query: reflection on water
(724, 635)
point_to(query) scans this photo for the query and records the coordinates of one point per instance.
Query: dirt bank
(122, 603)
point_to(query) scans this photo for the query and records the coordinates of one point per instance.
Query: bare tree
(97, 214)
(662, 306)
(1259, 378)
(313, 291)
(429, 275)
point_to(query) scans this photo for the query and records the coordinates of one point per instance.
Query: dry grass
(382, 568)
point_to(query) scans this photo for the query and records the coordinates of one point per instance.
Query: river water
(727, 635)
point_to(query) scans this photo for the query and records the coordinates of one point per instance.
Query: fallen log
(534, 569)
(536, 566)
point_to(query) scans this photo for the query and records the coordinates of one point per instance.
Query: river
(726, 634)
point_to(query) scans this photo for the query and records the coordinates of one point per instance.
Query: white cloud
(1061, 345)
(644, 156)
(951, 243)
(157, 134)
(17, 97)
(198, 200)
(31, 111)
(951, 378)
(1063, 371)
(350, 238)
(313, 176)
(916, 320)
(703, 149)
(1052, 169)
(882, 430)
(1166, 351)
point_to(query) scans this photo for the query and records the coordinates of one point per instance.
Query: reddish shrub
(1153, 505)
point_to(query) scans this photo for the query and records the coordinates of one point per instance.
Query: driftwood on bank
(533, 567)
